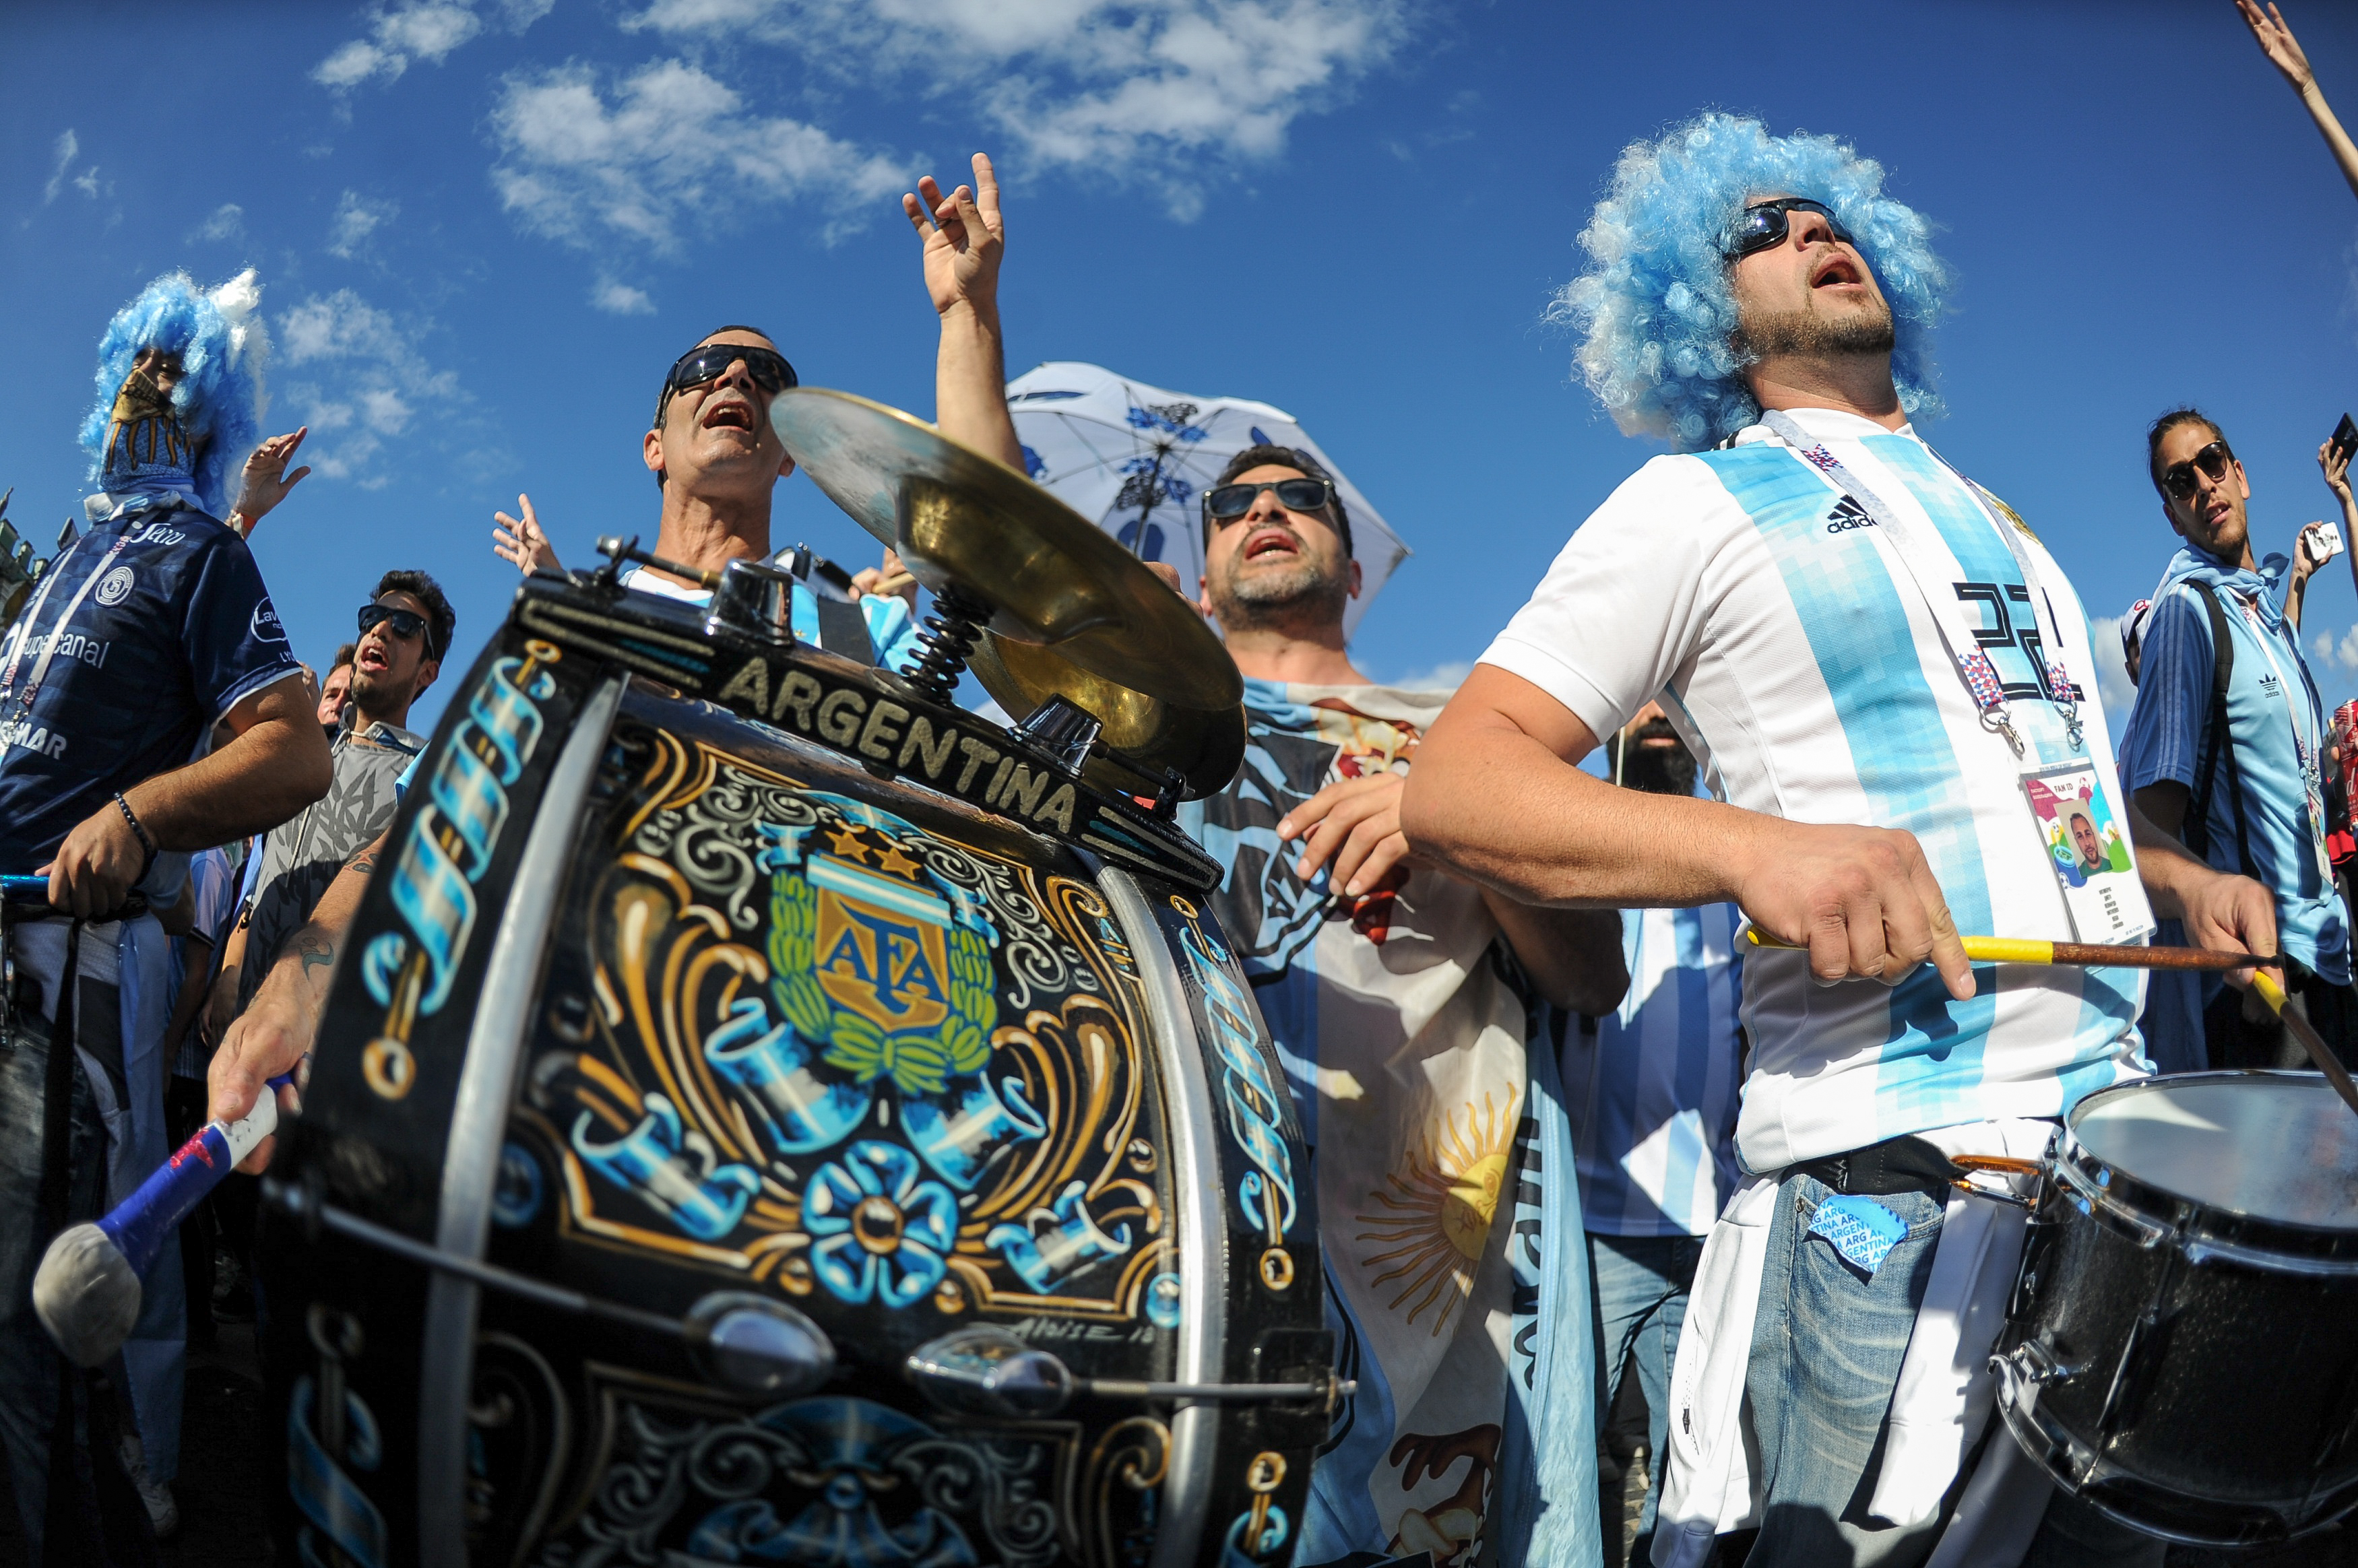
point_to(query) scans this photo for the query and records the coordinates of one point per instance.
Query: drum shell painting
(2207, 1375)
(801, 1030)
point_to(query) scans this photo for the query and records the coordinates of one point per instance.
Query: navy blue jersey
(173, 632)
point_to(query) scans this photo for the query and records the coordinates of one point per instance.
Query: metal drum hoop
(2150, 1214)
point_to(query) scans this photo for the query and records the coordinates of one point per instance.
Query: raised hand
(892, 577)
(2335, 465)
(2278, 43)
(265, 481)
(520, 542)
(964, 236)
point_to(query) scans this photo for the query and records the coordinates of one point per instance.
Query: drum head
(2276, 1146)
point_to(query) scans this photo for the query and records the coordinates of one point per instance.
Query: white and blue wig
(1659, 319)
(220, 402)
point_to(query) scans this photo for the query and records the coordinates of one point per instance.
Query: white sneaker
(163, 1509)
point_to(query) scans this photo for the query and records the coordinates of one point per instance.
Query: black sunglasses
(710, 362)
(2178, 479)
(1768, 223)
(405, 623)
(1227, 502)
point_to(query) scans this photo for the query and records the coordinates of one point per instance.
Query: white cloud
(356, 219)
(1157, 91)
(426, 30)
(2341, 654)
(227, 223)
(575, 162)
(371, 382)
(620, 300)
(1446, 676)
(69, 148)
(87, 182)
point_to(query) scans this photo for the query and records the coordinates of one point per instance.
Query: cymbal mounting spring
(948, 637)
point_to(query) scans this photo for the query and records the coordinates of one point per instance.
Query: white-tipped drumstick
(87, 1292)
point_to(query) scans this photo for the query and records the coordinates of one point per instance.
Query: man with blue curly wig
(1879, 668)
(144, 634)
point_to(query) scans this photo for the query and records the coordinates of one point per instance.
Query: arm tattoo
(364, 862)
(315, 949)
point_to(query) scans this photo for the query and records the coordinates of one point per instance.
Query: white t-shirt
(1799, 662)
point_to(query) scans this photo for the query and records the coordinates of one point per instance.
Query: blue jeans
(1827, 1352)
(1638, 1286)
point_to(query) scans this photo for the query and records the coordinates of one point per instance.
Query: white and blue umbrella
(1135, 460)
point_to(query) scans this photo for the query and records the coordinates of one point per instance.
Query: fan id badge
(2086, 842)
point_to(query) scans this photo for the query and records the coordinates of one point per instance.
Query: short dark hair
(442, 620)
(663, 394)
(1269, 455)
(345, 654)
(2184, 414)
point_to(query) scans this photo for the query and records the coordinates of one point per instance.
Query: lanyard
(2312, 785)
(1900, 539)
(57, 634)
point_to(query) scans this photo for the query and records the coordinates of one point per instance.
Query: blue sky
(484, 229)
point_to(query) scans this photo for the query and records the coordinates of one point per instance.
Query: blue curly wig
(1655, 305)
(220, 401)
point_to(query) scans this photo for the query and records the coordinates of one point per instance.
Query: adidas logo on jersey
(1847, 514)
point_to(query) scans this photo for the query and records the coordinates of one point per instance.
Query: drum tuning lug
(989, 1372)
(2034, 1365)
(754, 600)
(759, 1346)
(1063, 731)
(1167, 799)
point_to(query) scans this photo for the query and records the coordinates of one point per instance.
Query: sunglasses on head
(1767, 223)
(707, 362)
(2178, 479)
(405, 623)
(1227, 502)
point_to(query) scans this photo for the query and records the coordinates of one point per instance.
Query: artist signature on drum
(1097, 1332)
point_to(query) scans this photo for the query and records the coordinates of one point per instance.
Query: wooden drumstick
(2079, 955)
(2272, 993)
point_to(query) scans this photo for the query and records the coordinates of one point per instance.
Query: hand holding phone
(2322, 541)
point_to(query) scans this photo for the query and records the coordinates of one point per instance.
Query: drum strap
(1903, 1165)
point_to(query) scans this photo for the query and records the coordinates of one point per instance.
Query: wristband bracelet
(137, 831)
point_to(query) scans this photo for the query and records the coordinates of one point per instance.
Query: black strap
(1904, 1164)
(2217, 738)
(57, 1098)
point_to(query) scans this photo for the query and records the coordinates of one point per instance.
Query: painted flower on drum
(878, 1233)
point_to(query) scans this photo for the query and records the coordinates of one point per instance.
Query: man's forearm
(2167, 867)
(262, 778)
(1584, 844)
(2337, 140)
(970, 385)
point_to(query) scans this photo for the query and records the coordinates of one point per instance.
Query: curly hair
(1660, 320)
(223, 347)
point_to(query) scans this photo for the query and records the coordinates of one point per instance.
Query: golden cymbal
(1050, 577)
(1142, 737)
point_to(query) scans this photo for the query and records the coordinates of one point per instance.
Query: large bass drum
(2182, 1348)
(765, 1115)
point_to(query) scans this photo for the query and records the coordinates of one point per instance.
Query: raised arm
(964, 237)
(1862, 899)
(2284, 51)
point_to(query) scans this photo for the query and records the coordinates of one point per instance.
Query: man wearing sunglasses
(716, 460)
(1889, 686)
(405, 630)
(2226, 745)
(1380, 972)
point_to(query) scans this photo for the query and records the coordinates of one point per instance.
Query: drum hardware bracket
(1061, 732)
(946, 639)
(707, 1331)
(617, 549)
(1167, 799)
(986, 1371)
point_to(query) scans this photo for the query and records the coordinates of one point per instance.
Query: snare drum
(2183, 1346)
(831, 1131)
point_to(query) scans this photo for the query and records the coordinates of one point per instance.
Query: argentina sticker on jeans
(1861, 1229)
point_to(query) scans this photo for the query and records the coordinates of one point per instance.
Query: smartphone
(2324, 541)
(2345, 438)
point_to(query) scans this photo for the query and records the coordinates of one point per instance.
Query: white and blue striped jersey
(1651, 1086)
(1798, 661)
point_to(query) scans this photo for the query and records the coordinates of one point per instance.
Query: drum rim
(2156, 1213)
